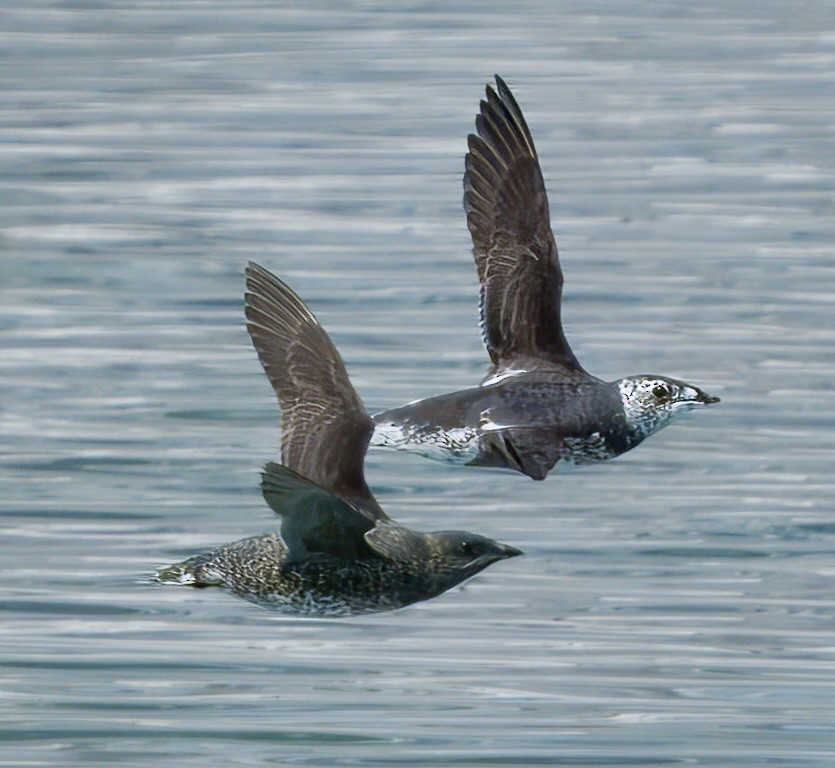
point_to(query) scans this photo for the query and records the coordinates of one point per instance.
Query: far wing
(326, 429)
(513, 244)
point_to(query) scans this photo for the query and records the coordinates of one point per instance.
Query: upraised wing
(326, 429)
(513, 244)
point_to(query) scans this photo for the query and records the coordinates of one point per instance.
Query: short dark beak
(703, 397)
(509, 551)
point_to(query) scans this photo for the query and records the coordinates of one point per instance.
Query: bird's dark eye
(661, 392)
(465, 548)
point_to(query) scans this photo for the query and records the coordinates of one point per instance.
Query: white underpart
(459, 445)
(583, 450)
(633, 408)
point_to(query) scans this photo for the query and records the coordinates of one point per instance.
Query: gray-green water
(674, 606)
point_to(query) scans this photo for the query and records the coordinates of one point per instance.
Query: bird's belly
(311, 588)
(585, 450)
(466, 445)
(459, 445)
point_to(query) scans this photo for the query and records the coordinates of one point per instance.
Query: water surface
(675, 605)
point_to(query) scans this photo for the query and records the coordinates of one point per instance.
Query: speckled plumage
(261, 570)
(338, 552)
(537, 406)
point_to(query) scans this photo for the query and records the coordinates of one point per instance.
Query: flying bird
(537, 406)
(337, 552)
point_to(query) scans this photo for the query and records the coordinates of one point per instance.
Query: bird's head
(650, 402)
(444, 558)
(466, 553)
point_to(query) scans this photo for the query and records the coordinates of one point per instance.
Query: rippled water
(674, 606)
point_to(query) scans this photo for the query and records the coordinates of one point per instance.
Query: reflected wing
(514, 247)
(325, 427)
(313, 520)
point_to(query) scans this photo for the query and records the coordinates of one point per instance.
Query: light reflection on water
(673, 606)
